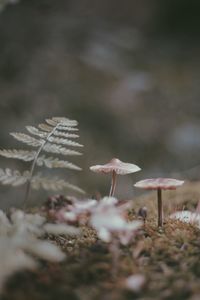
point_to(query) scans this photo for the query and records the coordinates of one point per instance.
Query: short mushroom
(159, 184)
(115, 166)
(142, 212)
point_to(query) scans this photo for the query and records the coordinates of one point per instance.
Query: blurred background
(128, 71)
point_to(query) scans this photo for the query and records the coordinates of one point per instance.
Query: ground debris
(167, 262)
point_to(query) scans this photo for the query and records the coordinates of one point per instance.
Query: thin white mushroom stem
(160, 208)
(113, 183)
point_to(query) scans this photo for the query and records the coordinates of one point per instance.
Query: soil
(168, 259)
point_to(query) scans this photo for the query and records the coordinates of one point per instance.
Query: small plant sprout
(116, 167)
(159, 184)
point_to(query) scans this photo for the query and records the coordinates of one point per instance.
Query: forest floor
(168, 260)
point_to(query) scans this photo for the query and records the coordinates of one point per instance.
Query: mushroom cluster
(116, 166)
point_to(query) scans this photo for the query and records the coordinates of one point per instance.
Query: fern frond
(53, 148)
(65, 134)
(51, 162)
(62, 141)
(45, 127)
(27, 139)
(51, 122)
(24, 155)
(36, 131)
(52, 137)
(14, 178)
(67, 128)
(65, 121)
(53, 184)
(62, 122)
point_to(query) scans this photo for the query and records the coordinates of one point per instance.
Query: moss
(169, 260)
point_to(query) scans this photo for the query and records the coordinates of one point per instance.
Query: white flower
(68, 216)
(83, 206)
(77, 211)
(128, 232)
(108, 220)
(108, 201)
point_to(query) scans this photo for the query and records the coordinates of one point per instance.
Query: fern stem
(28, 187)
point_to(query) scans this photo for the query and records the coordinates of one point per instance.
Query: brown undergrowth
(168, 259)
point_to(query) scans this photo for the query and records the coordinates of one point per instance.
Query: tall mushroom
(159, 184)
(115, 166)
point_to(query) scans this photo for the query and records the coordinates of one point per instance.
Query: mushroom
(115, 166)
(142, 212)
(159, 184)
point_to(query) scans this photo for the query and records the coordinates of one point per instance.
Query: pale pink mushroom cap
(159, 183)
(115, 165)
